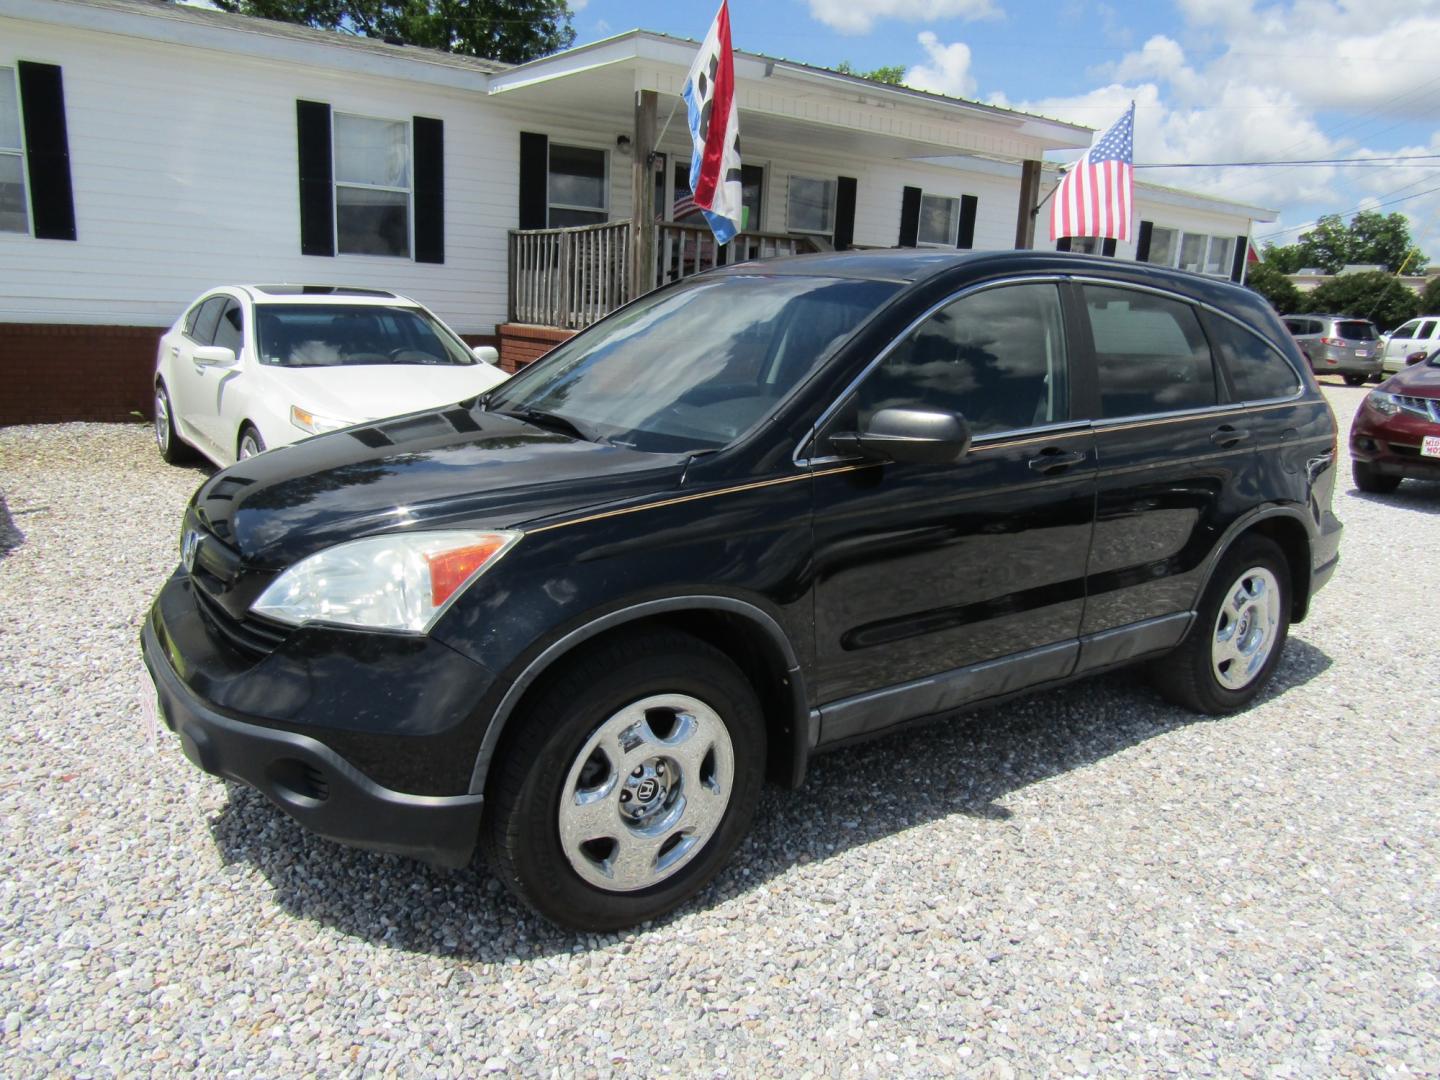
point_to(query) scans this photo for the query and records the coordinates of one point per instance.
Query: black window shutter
(317, 178)
(969, 204)
(429, 190)
(910, 217)
(1063, 244)
(534, 179)
(1242, 252)
(1142, 242)
(844, 213)
(47, 150)
(1108, 247)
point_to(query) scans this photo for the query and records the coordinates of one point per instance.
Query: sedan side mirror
(487, 354)
(215, 356)
(1416, 356)
(912, 436)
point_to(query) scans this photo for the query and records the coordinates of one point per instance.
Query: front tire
(633, 775)
(173, 449)
(1238, 634)
(1369, 479)
(250, 443)
(1356, 380)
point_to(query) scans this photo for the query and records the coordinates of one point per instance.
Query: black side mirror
(915, 436)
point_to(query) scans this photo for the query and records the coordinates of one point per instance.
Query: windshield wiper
(554, 421)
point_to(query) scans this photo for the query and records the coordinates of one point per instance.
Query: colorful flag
(1094, 198)
(715, 130)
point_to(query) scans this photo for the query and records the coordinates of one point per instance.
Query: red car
(1396, 433)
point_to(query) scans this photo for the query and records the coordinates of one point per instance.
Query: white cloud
(859, 16)
(948, 71)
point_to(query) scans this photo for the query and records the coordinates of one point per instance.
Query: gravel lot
(1089, 881)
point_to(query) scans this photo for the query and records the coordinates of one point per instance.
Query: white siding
(183, 162)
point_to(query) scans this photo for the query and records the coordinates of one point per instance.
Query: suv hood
(1417, 380)
(445, 468)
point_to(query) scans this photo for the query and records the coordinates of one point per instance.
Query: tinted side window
(231, 329)
(1406, 331)
(996, 357)
(1427, 330)
(190, 317)
(1257, 369)
(205, 322)
(1150, 353)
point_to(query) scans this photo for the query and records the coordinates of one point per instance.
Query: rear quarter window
(1151, 355)
(1258, 371)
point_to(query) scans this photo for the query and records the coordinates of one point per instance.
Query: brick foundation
(51, 373)
(522, 343)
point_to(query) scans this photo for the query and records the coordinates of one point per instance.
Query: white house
(149, 151)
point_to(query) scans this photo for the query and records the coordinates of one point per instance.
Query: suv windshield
(1356, 331)
(694, 368)
(323, 335)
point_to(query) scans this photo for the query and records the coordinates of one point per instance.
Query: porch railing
(569, 277)
(573, 277)
(682, 250)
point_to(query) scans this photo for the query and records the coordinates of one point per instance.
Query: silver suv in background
(1338, 345)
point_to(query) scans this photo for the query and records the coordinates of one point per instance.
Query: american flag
(1094, 198)
(685, 205)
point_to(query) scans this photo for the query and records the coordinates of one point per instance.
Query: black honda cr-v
(763, 512)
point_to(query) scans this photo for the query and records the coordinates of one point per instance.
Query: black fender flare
(800, 725)
(1244, 524)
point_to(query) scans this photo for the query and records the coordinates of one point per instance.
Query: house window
(1085, 245)
(579, 184)
(939, 220)
(372, 186)
(14, 213)
(810, 207)
(1163, 245)
(1222, 250)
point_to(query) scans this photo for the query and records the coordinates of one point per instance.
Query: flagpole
(1034, 210)
(655, 150)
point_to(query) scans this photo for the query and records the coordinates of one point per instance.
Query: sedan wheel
(626, 782)
(250, 443)
(172, 448)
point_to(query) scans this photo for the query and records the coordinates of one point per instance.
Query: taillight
(1332, 341)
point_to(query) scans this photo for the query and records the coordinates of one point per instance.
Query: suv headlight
(1383, 403)
(392, 582)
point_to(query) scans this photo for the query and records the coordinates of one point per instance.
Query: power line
(1362, 206)
(1378, 161)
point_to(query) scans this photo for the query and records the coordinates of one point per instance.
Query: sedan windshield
(694, 368)
(324, 335)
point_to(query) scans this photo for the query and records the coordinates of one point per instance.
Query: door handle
(1053, 460)
(1227, 436)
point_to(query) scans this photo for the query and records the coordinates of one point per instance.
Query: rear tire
(631, 777)
(173, 449)
(1368, 479)
(1238, 635)
(1356, 380)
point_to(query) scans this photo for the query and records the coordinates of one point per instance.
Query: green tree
(510, 30)
(891, 76)
(1370, 237)
(1270, 282)
(1430, 297)
(1372, 295)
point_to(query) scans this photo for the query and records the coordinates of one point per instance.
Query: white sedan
(252, 367)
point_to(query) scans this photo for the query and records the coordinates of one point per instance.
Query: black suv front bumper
(310, 781)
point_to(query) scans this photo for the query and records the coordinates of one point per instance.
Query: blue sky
(1214, 80)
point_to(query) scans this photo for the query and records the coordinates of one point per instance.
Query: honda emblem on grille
(188, 546)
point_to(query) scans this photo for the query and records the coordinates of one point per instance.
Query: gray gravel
(1088, 881)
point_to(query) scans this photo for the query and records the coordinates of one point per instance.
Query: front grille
(1426, 407)
(254, 637)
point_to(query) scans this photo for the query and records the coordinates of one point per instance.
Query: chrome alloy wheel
(646, 792)
(249, 446)
(162, 420)
(1245, 628)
